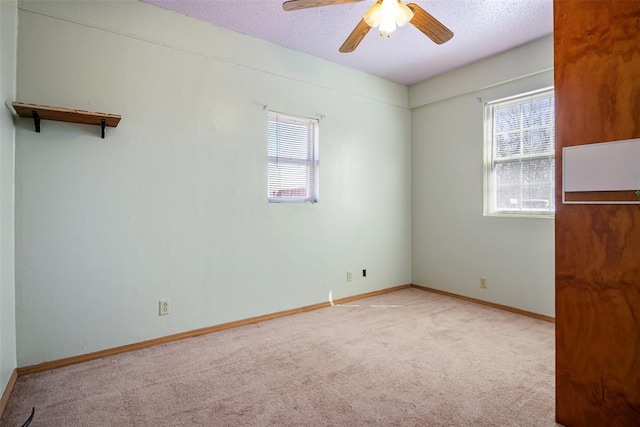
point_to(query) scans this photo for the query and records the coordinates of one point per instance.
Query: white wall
(453, 243)
(8, 34)
(172, 204)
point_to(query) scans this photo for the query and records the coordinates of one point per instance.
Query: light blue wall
(8, 32)
(453, 243)
(173, 203)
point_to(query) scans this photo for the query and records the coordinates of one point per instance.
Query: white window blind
(293, 163)
(519, 172)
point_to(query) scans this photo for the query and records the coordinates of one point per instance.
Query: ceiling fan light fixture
(389, 10)
(404, 14)
(373, 15)
(387, 26)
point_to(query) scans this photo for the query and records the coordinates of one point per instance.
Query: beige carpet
(407, 358)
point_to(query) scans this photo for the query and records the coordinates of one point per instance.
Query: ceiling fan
(384, 14)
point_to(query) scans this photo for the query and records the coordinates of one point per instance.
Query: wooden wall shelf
(44, 112)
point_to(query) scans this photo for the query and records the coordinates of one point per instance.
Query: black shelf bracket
(36, 120)
(103, 123)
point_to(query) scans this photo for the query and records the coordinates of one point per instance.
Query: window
(293, 159)
(519, 167)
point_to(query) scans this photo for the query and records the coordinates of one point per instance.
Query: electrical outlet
(483, 282)
(349, 276)
(165, 307)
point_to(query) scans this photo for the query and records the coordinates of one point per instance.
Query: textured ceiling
(481, 28)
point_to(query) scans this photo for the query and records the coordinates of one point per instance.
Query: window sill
(551, 215)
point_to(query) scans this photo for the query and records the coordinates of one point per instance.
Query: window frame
(490, 160)
(312, 160)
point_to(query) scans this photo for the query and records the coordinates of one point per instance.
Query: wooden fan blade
(356, 36)
(305, 4)
(429, 25)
